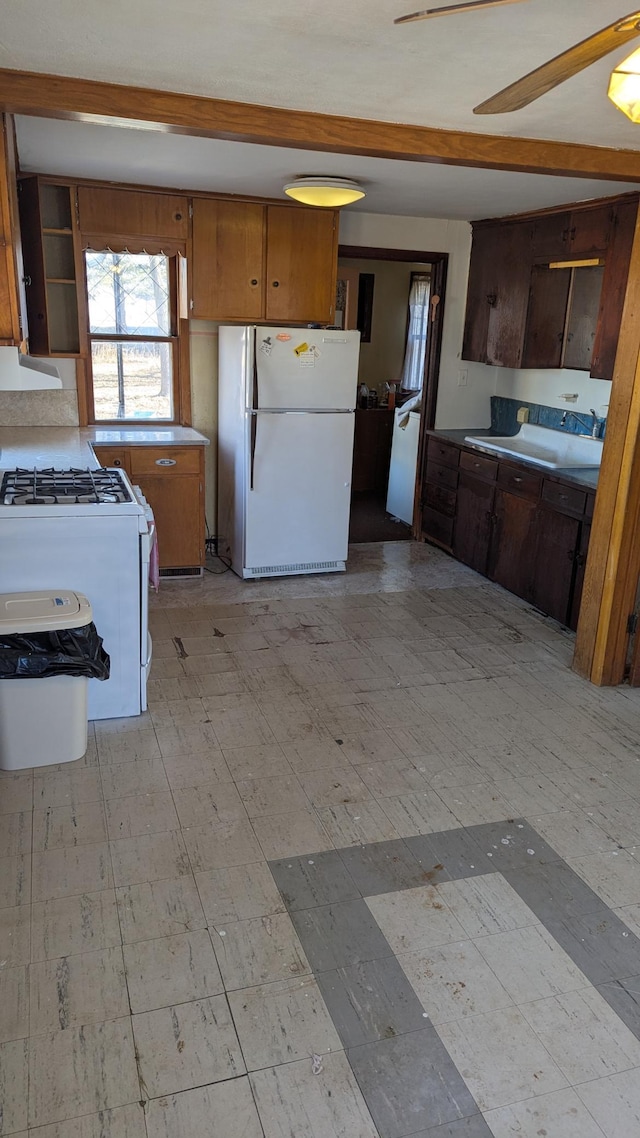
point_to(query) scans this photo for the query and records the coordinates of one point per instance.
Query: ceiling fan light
(624, 86)
(328, 193)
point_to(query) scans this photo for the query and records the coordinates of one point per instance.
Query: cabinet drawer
(442, 452)
(440, 498)
(479, 464)
(568, 499)
(442, 475)
(437, 528)
(525, 483)
(112, 456)
(165, 460)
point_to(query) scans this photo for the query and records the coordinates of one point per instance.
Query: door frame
(439, 264)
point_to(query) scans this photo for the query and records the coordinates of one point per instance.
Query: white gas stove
(90, 531)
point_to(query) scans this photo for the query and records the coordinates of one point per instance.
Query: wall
(545, 386)
(382, 357)
(43, 408)
(458, 406)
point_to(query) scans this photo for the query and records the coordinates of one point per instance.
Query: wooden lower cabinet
(512, 548)
(473, 524)
(512, 524)
(557, 540)
(172, 481)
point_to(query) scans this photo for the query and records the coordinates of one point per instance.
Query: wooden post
(613, 564)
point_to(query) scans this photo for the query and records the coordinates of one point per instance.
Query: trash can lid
(42, 611)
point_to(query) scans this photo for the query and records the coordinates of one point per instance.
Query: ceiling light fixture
(624, 86)
(328, 192)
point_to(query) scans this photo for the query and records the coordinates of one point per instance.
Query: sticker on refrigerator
(303, 347)
(307, 359)
(283, 337)
(266, 346)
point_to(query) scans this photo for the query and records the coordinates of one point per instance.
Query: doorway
(395, 298)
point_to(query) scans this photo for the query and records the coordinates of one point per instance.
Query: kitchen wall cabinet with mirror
(523, 313)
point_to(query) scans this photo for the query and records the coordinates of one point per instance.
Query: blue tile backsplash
(504, 421)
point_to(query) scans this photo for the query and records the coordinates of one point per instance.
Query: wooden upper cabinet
(614, 284)
(521, 313)
(508, 310)
(498, 294)
(254, 262)
(590, 230)
(582, 317)
(548, 302)
(12, 322)
(549, 236)
(53, 268)
(481, 294)
(302, 260)
(113, 213)
(228, 260)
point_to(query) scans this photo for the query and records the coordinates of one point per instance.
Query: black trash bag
(62, 652)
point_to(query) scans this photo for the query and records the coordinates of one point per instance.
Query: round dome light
(330, 193)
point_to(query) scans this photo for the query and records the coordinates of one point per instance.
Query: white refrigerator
(286, 402)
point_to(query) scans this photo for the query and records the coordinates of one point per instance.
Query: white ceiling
(332, 57)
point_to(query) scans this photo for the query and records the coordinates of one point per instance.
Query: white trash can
(42, 721)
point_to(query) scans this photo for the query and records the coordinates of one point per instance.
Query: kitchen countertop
(64, 447)
(584, 476)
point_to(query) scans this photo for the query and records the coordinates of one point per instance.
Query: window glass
(128, 294)
(132, 380)
(132, 349)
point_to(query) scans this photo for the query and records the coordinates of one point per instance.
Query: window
(413, 367)
(132, 335)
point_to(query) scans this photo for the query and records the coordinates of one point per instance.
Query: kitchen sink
(553, 449)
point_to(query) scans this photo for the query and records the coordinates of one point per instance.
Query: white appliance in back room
(286, 404)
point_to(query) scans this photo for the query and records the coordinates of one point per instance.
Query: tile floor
(369, 867)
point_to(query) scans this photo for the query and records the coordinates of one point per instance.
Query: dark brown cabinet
(522, 313)
(521, 528)
(371, 450)
(512, 543)
(473, 522)
(548, 299)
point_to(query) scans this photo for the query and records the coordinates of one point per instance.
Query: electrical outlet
(523, 415)
(462, 378)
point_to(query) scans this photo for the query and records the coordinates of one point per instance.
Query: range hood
(26, 373)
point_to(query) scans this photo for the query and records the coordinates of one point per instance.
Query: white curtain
(413, 367)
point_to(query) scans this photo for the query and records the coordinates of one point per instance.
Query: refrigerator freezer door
(297, 514)
(306, 368)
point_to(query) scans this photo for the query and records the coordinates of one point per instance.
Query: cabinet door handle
(492, 299)
(275, 284)
(571, 555)
(117, 462)
(253, 281)
(517, 479)
(166, 461)
(562, 497)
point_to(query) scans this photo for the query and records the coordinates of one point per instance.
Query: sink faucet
(595, 422)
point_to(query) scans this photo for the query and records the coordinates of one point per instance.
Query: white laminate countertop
(64, 447)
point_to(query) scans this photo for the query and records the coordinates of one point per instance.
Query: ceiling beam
(64, 97)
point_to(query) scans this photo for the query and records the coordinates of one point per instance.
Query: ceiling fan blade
(469, 6)
(562, 67)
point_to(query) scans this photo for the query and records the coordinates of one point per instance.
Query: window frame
(179, 338)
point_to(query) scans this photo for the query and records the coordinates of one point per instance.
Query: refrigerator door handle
(255, 400)
(307, 411)
(254, 434)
